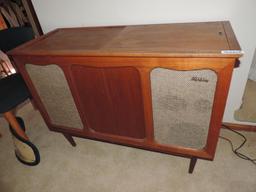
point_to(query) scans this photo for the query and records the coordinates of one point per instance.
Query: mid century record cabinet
(156, 87)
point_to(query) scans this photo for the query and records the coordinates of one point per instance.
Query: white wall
(242, 14)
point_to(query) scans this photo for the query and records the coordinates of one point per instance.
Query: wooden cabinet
(157, 87)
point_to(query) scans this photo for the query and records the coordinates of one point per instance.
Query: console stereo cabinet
(157, 87)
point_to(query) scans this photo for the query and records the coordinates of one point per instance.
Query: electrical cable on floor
(235, 150)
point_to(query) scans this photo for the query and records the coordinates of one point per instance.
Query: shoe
(25, 151)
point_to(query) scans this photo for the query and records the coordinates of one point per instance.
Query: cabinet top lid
(205, 39)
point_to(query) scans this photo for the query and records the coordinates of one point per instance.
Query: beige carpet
(100, 167)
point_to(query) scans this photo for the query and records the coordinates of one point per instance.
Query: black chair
(13, 91)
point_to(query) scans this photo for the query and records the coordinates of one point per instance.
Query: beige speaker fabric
(53, 89)
(182, 105)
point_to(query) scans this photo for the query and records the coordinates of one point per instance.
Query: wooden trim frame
(223, 67)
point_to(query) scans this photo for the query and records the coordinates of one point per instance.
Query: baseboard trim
(240, 127)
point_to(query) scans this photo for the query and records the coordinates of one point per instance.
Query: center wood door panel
(111, 100)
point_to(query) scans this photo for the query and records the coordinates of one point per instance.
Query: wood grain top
(207, 39)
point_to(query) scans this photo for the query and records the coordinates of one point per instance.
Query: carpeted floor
(100, 167)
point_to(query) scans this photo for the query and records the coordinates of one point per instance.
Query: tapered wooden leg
(192, 164)
(70, 139)
(9, 116)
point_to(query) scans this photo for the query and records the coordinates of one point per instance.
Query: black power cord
(235, 150)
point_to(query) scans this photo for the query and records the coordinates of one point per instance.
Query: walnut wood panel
(111, 100)
(220, 98)
(230, 35)
(206, 39)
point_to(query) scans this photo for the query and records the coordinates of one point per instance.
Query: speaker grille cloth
(182, 104)
(53, 89)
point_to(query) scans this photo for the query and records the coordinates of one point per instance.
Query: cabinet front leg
(192, 164)
(70, 139)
